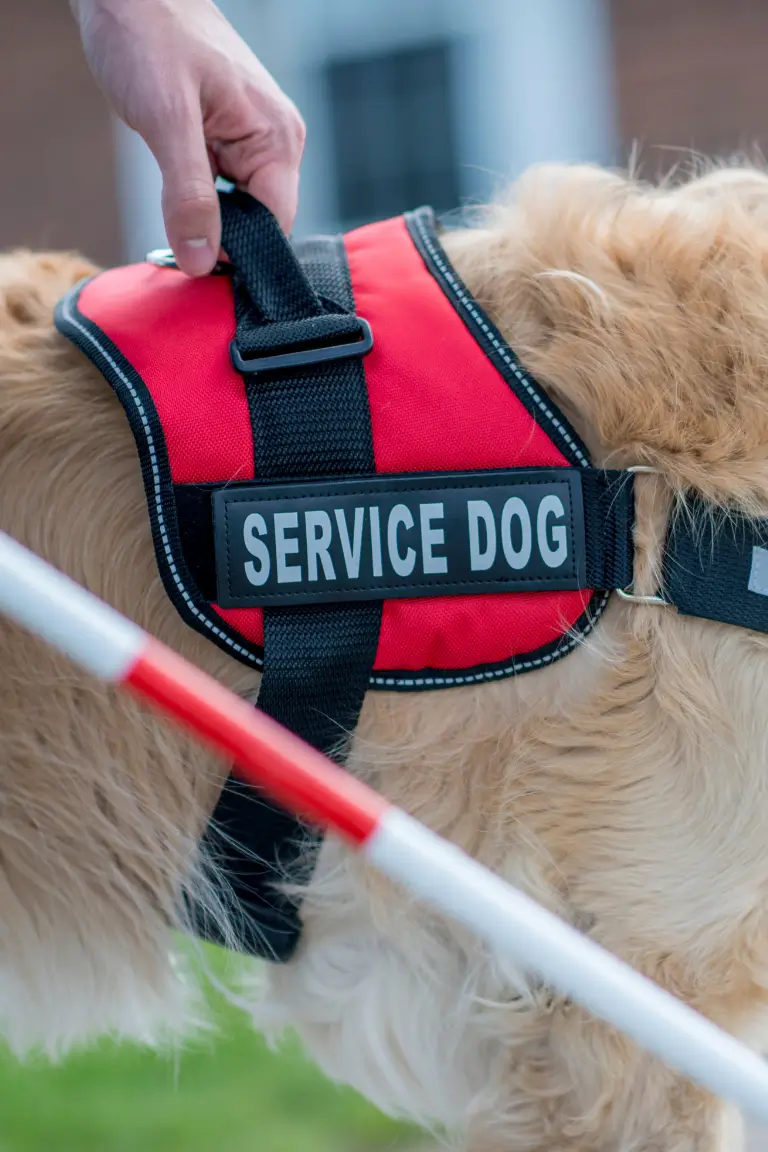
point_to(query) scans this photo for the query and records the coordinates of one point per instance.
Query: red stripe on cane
(265, 754)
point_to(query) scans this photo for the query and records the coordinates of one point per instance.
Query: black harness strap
(716, 564)
(310, 417)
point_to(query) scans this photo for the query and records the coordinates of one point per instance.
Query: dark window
(393, 132)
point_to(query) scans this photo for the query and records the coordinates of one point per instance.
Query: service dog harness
(353, 483)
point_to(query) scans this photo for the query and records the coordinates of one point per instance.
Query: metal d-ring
(634, 598)
(627, 593)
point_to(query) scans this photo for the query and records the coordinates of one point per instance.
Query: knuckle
(195, 201)
(190, 213)
(165, 108)
(192, 199)
(297, 131)
(288, 135)
(283, 130)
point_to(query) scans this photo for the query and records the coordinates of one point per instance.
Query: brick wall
(57, 179)
(691, 74)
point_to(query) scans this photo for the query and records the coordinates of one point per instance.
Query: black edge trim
(405, 680)
(156, 474)
(422, 228)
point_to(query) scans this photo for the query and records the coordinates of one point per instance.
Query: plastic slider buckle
(318, 355)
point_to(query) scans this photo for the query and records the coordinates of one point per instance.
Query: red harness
(438, 402)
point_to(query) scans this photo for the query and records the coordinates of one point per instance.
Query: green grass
(226, 1093)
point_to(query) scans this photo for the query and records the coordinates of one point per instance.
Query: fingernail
(199, 256)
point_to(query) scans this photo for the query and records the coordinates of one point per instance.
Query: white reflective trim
(758, 572)
(38, 596)
(571, 963)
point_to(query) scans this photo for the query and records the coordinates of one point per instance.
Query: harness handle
(282, 322)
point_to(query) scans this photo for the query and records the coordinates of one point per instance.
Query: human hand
(178, 73)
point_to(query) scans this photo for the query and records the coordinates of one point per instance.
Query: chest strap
(299, 350)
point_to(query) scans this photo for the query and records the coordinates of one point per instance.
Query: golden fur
(624, 787)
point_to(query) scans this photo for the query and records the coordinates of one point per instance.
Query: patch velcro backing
(387, 537)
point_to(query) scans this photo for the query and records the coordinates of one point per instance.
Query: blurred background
(406, 102)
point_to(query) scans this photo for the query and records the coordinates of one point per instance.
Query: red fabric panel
(176, 333)
(438, 403)
(249, 622)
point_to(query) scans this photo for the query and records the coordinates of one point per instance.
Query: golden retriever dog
(624, 787)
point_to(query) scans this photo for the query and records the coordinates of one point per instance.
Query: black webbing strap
(307, 420)
(716, 564)
(609, 522)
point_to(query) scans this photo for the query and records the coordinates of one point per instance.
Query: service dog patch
(391, 537)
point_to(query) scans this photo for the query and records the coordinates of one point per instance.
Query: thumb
(276, 184)
(190, 204)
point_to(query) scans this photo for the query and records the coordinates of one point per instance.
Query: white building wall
(139, 188)
(533, 82)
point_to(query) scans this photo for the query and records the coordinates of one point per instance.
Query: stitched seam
(450, 586)
(163, 527)
(502, 351)
(496, 673)
(234, 497)
(229, 553)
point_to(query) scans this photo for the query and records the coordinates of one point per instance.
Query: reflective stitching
(758, 573)
(496, 673)
(519, 373)
(467, 303)
(147, 430)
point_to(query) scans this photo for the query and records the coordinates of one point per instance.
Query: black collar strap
(716, 565)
